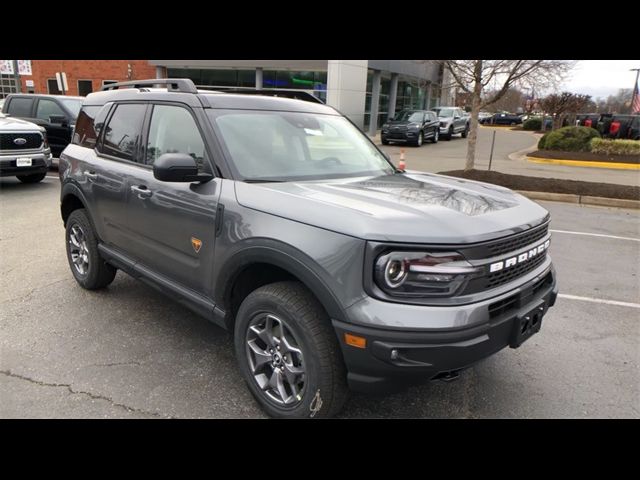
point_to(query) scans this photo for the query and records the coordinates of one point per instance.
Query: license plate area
(23, 162)
(527, 324)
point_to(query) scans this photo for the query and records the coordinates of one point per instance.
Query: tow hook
(448, 376)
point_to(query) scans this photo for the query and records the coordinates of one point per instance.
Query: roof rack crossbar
(272, 92)
(182, 85)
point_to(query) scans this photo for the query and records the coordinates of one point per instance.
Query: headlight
(443, 124)
(423, 274)
(414, 125)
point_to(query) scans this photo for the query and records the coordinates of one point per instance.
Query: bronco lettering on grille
(523, 257)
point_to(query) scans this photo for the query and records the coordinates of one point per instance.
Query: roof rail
(271, 92)
(183, 85)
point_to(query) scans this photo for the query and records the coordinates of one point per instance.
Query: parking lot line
(596, 235)
(599, 300)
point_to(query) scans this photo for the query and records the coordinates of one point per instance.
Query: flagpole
(635, 91)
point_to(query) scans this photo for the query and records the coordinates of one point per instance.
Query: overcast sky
(601, 78)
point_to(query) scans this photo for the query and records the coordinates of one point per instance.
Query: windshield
(73, 105)
(444, 112)
(409, 116)
(283, 146)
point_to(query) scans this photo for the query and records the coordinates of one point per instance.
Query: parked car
(623, 126)
(504, 118)
(452, 121)
(56, 113)
(24, 151)
(411, 126)
(279, 220)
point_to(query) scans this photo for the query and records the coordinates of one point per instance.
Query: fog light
(355, 341)
(394, 354)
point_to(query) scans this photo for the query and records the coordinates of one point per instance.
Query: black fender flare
(284, 256)
(72, 189)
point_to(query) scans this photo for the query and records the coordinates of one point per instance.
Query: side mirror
(178, 167)
(58, 119)
(456, 117)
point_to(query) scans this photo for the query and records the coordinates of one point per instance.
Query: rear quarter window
(89, 124)
(20, 107)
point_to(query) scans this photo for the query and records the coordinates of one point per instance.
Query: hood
(413, 207)
(398, 122)
(11, 124)
(445, 119)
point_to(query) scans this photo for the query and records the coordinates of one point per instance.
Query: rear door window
(123, 131)
(89, 124)
(20, 107)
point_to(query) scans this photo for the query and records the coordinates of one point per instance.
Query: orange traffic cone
(402, 165)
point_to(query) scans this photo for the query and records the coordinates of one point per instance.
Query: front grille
(504, 276)
(7, 141)
(513, 302)
(515, 242)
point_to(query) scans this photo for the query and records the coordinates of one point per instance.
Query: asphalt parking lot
(128, 352)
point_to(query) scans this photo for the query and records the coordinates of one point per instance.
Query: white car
(24, 150)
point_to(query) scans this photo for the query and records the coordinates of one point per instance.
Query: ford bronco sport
(279, 220)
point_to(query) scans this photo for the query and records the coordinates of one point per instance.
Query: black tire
(449, 134)
(436, 135)
(98, 274)
(384, 141)
(34, 178)
(420, 140)
(305, 318)
(465, 132)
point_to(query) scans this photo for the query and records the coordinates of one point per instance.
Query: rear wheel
(288, 352)
(35, 178)
(88, 268)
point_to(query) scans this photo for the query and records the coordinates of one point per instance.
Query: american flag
(635, 104)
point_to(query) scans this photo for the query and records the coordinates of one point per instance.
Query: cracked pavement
(129, 352)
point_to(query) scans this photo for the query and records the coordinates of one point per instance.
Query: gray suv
(453, 120)
(280, 221)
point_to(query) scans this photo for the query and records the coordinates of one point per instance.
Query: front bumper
(402, 136)
(394, 358)
(40, 163)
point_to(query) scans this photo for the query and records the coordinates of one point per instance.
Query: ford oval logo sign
(19, 141)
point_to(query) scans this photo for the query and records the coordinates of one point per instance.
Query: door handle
(142, 191)
(91, 175)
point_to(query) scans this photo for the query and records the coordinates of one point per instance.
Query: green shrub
(532, 124)
(615, 147)
(570, 139)
(542, 141)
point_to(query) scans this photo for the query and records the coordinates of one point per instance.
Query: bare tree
(562, 104)
(474, 76)
(615, 103)
(510, 101)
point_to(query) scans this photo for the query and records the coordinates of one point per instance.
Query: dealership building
(367, 91)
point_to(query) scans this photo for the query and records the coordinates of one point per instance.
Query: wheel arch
(253, 266)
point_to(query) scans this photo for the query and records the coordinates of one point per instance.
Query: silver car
(24, 150)
(452, 121)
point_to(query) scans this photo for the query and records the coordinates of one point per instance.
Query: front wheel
(288, 352)
(449, 133)
(420, 139)
(465, 132)
(436, 134)
(384, 141)
(35, 178)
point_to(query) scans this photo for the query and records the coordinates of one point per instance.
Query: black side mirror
(178, 167)
(58, 119)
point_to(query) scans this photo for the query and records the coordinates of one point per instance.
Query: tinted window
(47, 108)
(173, 130)
(88, 126)
(122, 133)
(20, 107)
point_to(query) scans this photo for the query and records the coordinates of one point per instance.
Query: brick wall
(94, 70)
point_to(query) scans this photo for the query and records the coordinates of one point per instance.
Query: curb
(581, 199)
(584, 163)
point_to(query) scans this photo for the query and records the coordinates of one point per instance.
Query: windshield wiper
(262, 180)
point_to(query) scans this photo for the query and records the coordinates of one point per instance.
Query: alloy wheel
(275, 359)
(79, 250)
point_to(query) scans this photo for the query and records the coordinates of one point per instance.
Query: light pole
(634, 90)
